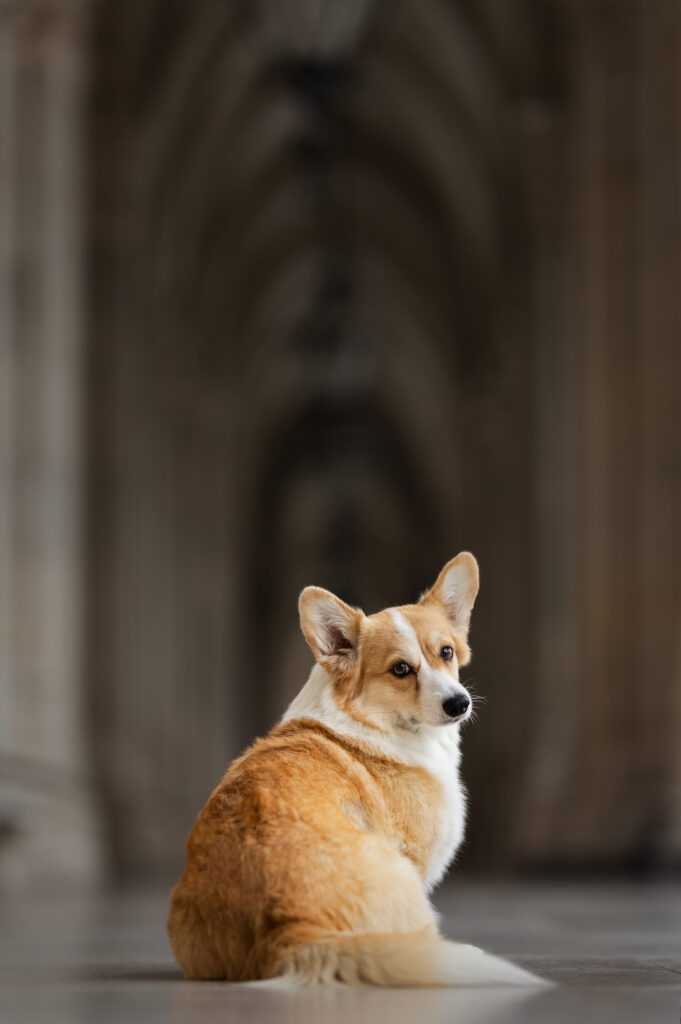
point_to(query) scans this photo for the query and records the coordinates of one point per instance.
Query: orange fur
(277, 857)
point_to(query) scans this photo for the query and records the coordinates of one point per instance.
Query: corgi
(312, 861)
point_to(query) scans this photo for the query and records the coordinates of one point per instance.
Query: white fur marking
(405, 629)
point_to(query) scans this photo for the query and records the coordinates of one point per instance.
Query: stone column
(48, 827)
(602, 769)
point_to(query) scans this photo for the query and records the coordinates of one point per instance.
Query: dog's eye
(400, 669)
(446, 653)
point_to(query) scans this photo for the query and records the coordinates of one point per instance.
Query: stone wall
(287, 298)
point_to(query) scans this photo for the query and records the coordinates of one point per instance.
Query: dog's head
(399, 667)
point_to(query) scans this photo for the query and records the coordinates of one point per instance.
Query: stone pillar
(603, 767)
(48, 827)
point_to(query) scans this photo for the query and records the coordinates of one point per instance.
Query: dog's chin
(413, 724)
(446, 720)
(441, 722)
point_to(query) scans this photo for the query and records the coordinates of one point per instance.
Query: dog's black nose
(456, 706)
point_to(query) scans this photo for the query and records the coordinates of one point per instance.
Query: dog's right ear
(331, 628)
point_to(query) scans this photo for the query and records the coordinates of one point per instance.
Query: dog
(312, 861)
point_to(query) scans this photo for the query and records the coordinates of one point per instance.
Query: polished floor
(614, 951)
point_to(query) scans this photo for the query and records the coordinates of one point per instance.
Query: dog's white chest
(436, 750)
(442, 761)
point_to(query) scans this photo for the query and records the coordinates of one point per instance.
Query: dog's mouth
(456, 721)
(412, 724)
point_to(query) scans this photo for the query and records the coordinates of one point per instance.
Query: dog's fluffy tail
(416, 959)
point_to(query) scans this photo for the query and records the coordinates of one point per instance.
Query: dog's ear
(455, 590)
(331, 628)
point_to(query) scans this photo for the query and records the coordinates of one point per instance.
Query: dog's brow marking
(405, 629)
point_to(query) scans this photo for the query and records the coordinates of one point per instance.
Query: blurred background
(324, 292)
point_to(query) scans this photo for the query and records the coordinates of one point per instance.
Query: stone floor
(614, 951)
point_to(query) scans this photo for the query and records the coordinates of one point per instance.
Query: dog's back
(304, 838)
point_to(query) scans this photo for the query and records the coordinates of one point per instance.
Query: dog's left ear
(455, 590)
